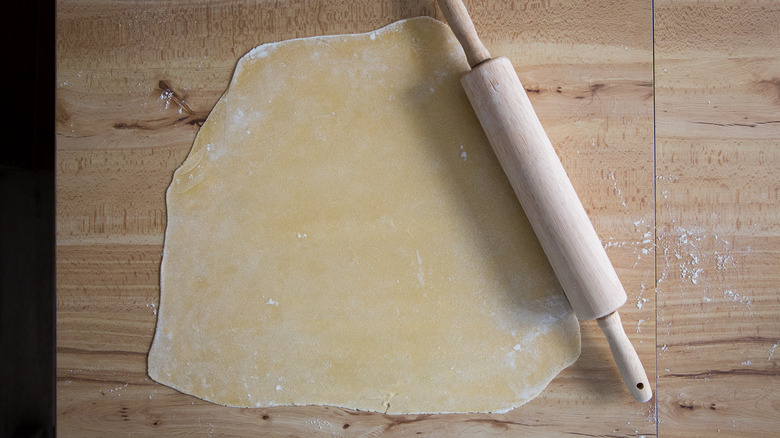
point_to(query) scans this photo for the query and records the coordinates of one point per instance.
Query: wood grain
(135, 81)
(718, 191)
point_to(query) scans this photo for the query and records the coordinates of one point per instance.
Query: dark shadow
(27, 297)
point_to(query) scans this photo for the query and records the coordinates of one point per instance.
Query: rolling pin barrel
(553, 208)
(543, 188)
(546, 194)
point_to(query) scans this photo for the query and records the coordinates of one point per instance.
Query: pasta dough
(342, 234)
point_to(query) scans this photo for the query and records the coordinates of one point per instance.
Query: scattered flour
(772, 350)
(615, 188)
(735, 297)
(420, 272)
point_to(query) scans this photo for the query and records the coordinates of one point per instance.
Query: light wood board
(717, 70)
(135, 80)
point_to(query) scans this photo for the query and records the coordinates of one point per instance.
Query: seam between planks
(655, 220)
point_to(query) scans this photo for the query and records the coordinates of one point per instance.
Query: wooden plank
(718, 188)
(135, 80)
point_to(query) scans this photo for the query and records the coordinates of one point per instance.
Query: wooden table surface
(666, 116)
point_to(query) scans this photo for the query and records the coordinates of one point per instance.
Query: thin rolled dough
(342, 234)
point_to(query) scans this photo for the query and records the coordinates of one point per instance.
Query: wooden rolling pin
(546, 194)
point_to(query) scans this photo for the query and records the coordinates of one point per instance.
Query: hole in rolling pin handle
(640, 385)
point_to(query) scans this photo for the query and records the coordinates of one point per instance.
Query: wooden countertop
(666, 116)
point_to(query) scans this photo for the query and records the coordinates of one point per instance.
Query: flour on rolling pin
(342, 234)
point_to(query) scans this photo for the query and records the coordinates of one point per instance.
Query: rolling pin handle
(460, 22)
(627, 360)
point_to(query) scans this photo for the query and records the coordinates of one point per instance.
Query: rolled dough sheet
(342, 234)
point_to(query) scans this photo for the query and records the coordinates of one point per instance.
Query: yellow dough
(342, 234)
